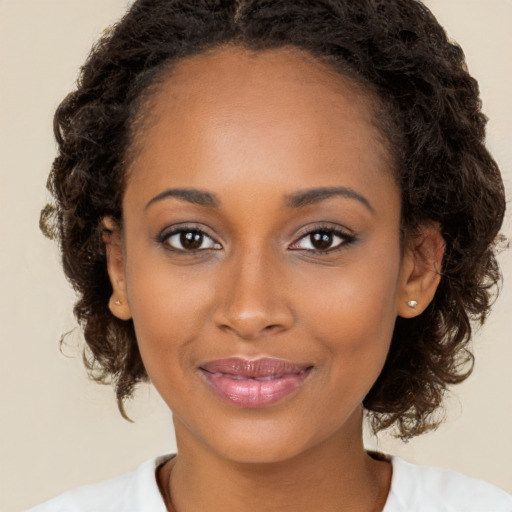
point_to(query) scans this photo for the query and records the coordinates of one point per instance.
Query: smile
(254, 384)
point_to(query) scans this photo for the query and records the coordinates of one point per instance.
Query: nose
(253, 301)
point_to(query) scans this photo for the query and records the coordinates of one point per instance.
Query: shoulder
(431, 489)
(132, 492)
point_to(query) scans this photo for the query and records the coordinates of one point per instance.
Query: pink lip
(256, 383)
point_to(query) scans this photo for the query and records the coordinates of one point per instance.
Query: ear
(420, 271)
(118, 303)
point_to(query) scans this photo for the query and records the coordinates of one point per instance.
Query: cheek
(353, 311)
(168, 308)
(358, 306)
(166, 311)
(366, 284)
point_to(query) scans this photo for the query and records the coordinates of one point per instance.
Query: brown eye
(322, 240)
(189, 240)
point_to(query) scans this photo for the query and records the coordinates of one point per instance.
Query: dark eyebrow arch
(190, 195)
(315, 195)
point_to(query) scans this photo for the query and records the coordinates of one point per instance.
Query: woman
(282, 214)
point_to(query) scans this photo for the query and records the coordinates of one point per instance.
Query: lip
(254, 383)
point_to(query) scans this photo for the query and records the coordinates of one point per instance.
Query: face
(261, 259)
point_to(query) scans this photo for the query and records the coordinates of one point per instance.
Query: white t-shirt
(413, 489)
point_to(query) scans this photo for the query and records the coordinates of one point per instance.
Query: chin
(260, 451)
(258, 441)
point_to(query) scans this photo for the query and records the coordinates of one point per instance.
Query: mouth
(254, 383)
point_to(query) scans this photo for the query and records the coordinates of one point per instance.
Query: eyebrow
(295, 200)
(190, 195)
(315, 195)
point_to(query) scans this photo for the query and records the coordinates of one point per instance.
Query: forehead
(233, 110)
(231, 68)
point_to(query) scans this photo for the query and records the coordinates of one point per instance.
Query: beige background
(58, 430)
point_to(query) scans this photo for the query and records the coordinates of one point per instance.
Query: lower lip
(252, 393)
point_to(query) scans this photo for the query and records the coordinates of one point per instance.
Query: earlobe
(118, 303)
(119, 309)
(421, 271)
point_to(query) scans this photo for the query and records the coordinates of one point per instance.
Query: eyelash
(346, 239)
(166, 236)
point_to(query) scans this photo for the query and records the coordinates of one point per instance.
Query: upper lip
(264, 367)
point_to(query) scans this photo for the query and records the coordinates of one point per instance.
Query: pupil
(321, 240)
(191, 240)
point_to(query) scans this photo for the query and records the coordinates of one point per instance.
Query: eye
(323, 240)
(189, 239)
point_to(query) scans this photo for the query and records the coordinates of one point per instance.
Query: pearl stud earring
(412, 304)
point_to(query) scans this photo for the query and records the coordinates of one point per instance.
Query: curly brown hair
(429, 113)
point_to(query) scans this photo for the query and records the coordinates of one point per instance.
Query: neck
(336, 474)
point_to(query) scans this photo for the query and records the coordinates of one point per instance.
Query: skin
(255, 129)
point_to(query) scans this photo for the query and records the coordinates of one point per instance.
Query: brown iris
(191, 240)
(321, 240)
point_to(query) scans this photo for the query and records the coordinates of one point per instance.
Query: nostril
(252, 307)
(251, 330)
